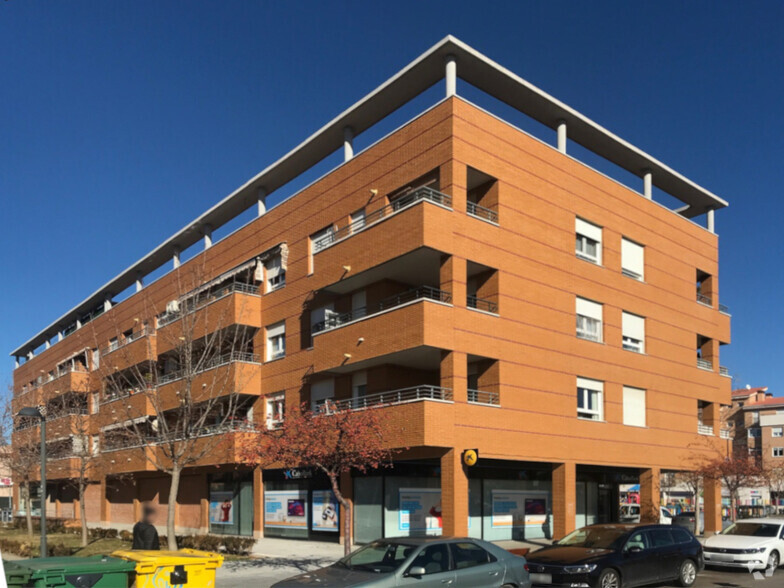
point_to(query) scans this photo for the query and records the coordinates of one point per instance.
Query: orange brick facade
(524, 353)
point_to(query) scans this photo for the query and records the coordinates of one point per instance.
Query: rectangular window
(321, 394)
(755, 433)
(633, 332)
(276, 410)
(588, 241)
(589, 320)
(96, 444)
(633, 406)
(95, 403)
(590, 399)
(276, 341)
(359, 384)
(322, 239)
(778, 452)
(632, 259)
(276, 275)
(357, 221)
(777, 431)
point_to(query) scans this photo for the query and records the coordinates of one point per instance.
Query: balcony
(122, 342)
(398, 300)
(705, 364)
(724, 371)
(724, 309)
(725, 434)
(389, 398)
(484, 398)
(68, 379)
(480, 212)
(414, 197)
(198, 302)
(705, 300)
(215, 362)
(481, 304)
(704, 429)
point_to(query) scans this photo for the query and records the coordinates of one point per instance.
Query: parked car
(425, 562)
(630, 513)
(753, 544)
(690, 521)
(619, 556)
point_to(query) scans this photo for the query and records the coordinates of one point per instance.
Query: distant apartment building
(482, 288)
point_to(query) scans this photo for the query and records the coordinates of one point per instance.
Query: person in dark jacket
(145, 536)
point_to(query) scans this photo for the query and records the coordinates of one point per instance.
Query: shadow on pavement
(302, 564)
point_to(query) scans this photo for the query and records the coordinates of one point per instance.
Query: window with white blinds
(590, 399)
(589, 319)
(276, 275)
(632, 259)
(588, 241)
(633, 406)
(276, 341)
(633, 328)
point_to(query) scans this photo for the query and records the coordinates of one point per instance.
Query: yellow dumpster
(186, 568)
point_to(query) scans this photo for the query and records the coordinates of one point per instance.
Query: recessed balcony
(388, 398)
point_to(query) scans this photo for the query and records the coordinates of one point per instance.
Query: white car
(630, 513)
(753, 544)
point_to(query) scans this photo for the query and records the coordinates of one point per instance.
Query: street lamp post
(33, 412)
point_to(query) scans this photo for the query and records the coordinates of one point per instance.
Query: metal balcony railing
(483, 397)
(407, 297)
(197, 302)
(724, 309)
(704, 364)
(392, 397)
(119, 343)
(704, 429)
(706, 300)
(234, 356)
(481, 304)
(399, 204)
(72, 411)
(725, 434)
(478, 211)
(133, 441)
(724, 371)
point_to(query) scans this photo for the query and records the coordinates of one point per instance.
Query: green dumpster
(97, 571)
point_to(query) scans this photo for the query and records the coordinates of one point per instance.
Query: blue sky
(122, 121)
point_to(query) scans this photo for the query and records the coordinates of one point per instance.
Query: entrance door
(606, 511)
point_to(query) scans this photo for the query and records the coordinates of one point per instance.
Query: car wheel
(773, 561)
(609, 579)
(687, 574)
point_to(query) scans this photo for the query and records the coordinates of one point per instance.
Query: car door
(667, 551)
(435, 559)
(639, 560)
(475, 567)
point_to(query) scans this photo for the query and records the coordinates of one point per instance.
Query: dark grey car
(425, 562)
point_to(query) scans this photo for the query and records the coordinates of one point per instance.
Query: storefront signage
(518, 509)
(326, 513)
(297, 474)
(420, 510)
(286, 508)
(221, 507)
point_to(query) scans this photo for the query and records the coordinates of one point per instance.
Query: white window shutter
(633, 326)
(275, 330)
(633, 257)
(634, 407)
(588, 308)
(588, 230)
(596, 385)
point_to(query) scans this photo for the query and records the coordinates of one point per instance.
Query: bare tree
(692, 479)
(774, 479)
(736, 471)
(24, 460)
(191, 385)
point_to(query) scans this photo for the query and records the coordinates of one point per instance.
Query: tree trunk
(174, 489)
(346, 516)
(28, 507)
(83, 513)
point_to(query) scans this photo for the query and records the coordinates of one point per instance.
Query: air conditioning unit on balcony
(173, 306)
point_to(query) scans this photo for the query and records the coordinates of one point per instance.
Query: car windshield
(380, 557)
(596, 537)
(752, 529)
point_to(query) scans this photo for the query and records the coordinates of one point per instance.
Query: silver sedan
(425, 562)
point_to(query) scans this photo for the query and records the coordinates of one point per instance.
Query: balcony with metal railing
(423, 194)
(705, 364)
(197, 302)
(212, 363)
(389, 398)
(724, 371)
(122, 342)
(704, 429)
(404, 298)
(484, 397)
(724, 309)
(725, 434)
(481, 304)
(706, 300)
(486, 214)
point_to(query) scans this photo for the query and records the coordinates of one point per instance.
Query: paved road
(262, 573)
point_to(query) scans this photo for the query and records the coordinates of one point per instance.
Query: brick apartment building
(481, 287)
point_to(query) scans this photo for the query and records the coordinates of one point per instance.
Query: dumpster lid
(41, 567)
(172, 558)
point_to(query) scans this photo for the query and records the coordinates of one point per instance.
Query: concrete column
(78, 324)
(711, 221)
(650, 495)
(176, 259)
(258, 503)
(261, 201)
(647, 185)
(564, 498)
(16, 361)
(454, 494)
(139, 284)
(451, 76)
(561, 131)
(454, 374)
(47, 345)
(712, 501)
(207, 236)
(30, 355)
(348, 143)
(60, 335)
(347, 489)
(107, 305)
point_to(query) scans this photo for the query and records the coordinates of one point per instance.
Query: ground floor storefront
(432, 494)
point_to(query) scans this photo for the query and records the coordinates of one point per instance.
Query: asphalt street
(262, 573)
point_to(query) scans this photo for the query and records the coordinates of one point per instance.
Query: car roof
(423, 540)
(769, 520)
